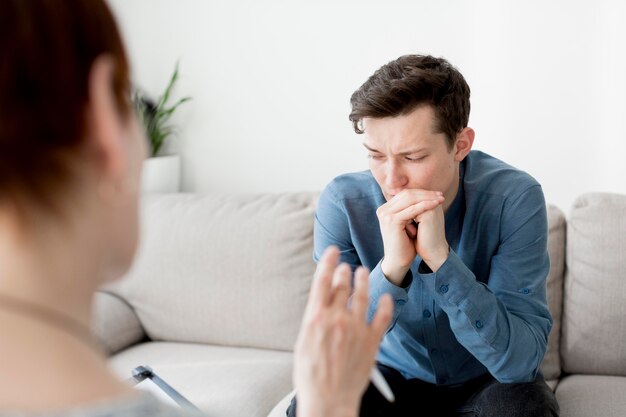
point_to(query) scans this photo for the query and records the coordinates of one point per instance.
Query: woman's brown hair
(47, 48)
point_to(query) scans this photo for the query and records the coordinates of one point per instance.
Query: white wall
(271, 82)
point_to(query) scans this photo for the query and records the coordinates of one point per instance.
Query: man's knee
(373, 405)
(533, 399)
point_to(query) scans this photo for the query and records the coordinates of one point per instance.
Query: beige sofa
(214, 301)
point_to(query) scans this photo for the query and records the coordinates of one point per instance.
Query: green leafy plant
(155, 114)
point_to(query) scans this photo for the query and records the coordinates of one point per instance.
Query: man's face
(405, 153)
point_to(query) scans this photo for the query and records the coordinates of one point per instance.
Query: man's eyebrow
(371, 149)
(409, 152)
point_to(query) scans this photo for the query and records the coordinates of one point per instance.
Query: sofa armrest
(114, 322)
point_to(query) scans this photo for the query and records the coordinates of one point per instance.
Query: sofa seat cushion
(221, 381)
(280, 409)
(592, 395)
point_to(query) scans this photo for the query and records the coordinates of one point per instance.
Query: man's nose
(396, 180)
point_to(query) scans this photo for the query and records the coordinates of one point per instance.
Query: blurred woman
(71, 153)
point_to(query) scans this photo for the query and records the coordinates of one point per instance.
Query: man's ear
(463, 144)
(105, 120)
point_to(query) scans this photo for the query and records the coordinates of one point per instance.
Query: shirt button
(525, 291)
(400, 302)
(479, 324)
(443, 289)
(426, 313)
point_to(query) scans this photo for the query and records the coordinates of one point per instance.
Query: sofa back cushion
(594, 321)
(223, 269)
(551, 366)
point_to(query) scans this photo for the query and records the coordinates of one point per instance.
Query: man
(459, 240)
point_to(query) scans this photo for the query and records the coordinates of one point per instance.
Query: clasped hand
(412, 223)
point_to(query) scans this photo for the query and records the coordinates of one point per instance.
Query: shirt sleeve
(332, 227)
(505, 323)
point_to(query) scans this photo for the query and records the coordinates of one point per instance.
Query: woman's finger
(322, 281)
(341, 286)
(360, 296)
(382, 318)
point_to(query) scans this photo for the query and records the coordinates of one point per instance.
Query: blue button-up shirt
(485, 309)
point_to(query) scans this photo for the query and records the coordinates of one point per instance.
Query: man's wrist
(439, 259)
(394, 275)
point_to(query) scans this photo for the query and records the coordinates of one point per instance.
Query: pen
(381, 384)
(142, 372)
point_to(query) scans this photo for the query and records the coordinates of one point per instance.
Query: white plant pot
(161, 174)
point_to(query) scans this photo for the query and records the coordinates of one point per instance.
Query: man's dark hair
(402, 85)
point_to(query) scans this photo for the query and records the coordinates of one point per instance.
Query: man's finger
(411, 229)
(416, 210)
(407, 198)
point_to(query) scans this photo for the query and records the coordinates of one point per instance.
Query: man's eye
(375, 157)
(415, 159)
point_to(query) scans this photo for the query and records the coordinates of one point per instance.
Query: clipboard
(143, 377)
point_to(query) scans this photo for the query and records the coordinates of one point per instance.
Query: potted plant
(161, 172)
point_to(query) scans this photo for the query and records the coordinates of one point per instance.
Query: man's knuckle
(386, 218)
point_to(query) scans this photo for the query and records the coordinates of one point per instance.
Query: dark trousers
(481, 397)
